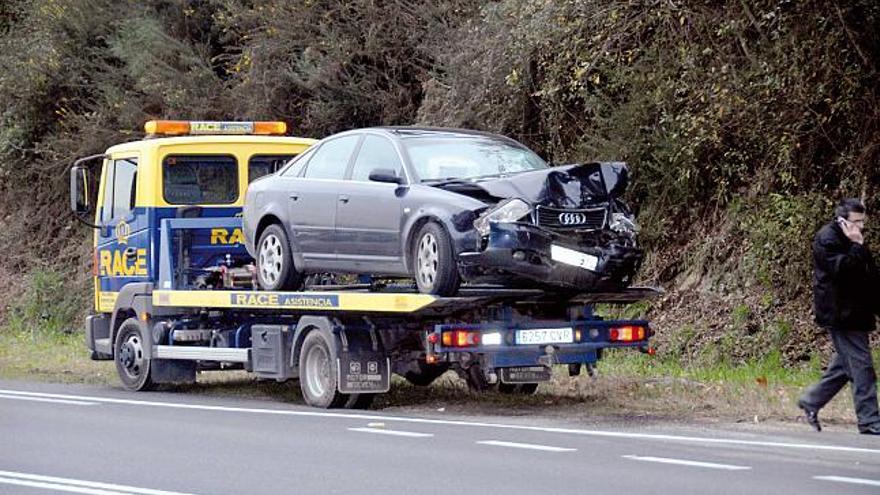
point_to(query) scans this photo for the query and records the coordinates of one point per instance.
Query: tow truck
(175, 289)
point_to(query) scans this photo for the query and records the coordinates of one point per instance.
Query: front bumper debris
(522, 252)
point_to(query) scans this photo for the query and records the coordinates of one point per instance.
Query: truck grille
(555, 218)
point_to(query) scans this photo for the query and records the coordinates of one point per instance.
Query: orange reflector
(167, 127)
(145, 316)
(460, 338)
(270, 128)
(431, 359)
(628, 333)
(185, 127)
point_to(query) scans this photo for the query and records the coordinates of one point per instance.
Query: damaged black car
(441, 206)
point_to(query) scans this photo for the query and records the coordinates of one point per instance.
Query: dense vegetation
(742, 120)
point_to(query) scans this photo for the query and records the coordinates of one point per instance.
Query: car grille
(555, 218)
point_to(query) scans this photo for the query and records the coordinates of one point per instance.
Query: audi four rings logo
(572, 219)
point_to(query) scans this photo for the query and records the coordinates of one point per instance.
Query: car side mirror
(79, 190)
(385, 175)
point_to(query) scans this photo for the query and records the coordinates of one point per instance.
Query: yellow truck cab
(181, 169)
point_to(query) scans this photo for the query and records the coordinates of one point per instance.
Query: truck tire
(132, 365)
(426, 374)
(275, 270)
(476, 381)
(359, 401)
(317, 373)
(433, 262)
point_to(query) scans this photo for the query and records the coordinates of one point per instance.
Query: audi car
(443, 207)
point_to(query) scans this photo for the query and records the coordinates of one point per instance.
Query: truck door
(122, 240)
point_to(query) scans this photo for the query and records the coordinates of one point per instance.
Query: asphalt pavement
(98, 440)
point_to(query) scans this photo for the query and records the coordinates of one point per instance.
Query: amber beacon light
(192, 127)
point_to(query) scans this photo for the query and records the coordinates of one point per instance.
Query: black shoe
(812, 415)
(873, 429)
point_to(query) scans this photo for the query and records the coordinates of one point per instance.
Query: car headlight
(507, 211)
(623, 224)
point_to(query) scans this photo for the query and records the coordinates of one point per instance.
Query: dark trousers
(851, 362)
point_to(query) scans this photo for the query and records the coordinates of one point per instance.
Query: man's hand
(852, 231)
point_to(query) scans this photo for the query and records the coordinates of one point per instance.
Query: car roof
(407, 132)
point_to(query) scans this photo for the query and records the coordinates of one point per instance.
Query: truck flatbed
(366, 301)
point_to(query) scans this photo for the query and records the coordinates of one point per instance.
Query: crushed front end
(572, 232)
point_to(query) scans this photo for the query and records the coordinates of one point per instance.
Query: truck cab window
(120, 189)
(199, 179)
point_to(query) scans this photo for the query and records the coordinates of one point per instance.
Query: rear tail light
(628, 333)
(460, 338)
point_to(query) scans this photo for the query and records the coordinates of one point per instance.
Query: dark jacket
(844, 281)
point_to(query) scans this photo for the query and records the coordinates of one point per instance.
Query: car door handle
(294, 196)
(129, 253)
(343, 198)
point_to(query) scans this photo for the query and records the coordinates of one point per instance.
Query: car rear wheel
(275, 270)
(434, 266)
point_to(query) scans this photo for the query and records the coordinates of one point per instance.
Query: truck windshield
(200, 179)
(446, 158)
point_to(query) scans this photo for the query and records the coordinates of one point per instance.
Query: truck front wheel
(132, 364)
(317, 373)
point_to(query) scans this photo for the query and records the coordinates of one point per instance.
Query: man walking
(844, 287)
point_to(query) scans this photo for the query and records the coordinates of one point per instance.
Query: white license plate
(544, 336)
(573, 258)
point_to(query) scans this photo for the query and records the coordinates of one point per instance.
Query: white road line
(844, 479)
(530, 446)
(41, 399)
(70, 484)
(683, 462)
(60, 488)
(393, 432)
(375, 417)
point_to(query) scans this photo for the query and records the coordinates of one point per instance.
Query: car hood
(566, 186)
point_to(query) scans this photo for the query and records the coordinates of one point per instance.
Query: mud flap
(172, 371)
(363, 373)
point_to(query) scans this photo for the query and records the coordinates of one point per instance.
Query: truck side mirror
(385, 175)
(79, 190)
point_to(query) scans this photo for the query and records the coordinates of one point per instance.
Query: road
(104, 441)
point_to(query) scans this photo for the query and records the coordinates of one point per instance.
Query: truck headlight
(506, 211)
(623, 224)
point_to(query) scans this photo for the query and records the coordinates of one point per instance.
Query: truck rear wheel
(317, 373)
(426, 373)
(132, 365)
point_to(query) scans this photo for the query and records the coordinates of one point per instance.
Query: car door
(368, 213)
(312, 201)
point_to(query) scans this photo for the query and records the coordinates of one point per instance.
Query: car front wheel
(434, 266)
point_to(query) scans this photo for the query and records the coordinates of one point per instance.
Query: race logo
(123, 231)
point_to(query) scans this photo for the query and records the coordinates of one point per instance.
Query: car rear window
(199, 179)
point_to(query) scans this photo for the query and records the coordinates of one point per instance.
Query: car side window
(376, 152)
(330, 161)
(120, 190)
(295, 167)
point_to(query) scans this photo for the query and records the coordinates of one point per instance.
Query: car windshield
(469, 157)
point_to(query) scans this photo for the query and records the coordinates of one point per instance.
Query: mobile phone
(843, 222)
